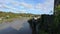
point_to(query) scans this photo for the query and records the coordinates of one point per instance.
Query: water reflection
(24, 29)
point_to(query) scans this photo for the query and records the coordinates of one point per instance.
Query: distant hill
(4, 14)
(9, 16)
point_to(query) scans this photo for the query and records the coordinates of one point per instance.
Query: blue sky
(27, 6)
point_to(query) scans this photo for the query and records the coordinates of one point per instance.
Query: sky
(27, 6)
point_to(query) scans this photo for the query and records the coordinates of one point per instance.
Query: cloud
(48, 4)
(21, 11)
(17, 3)
(39, 6)
(12, 4)
(3, 6)
(26, 5)
(23, 5)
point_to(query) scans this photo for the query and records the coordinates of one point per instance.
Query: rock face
(43, 23)
(46, 23)
(33, 23)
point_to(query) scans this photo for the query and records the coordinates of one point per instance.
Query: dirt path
(18, 26)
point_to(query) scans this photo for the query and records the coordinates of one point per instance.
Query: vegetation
(9, 16)
(57, 19)
(55, 27)
(46, 27)
(49, 24)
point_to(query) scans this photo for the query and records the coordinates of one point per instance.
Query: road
(18, 26)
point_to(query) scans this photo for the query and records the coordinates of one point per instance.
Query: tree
(57, 18)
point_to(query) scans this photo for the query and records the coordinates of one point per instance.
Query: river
(17, 26)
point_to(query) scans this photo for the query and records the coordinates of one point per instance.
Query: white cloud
(3, 6)
(39, 6)
(46, 6)
(22, 11)
(26, 5)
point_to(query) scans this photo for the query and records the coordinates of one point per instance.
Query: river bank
(12, 19)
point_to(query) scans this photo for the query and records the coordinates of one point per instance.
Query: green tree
(57, 18)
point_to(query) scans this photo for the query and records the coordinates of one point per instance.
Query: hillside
(8, 16)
